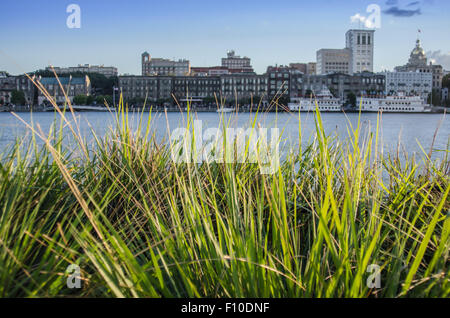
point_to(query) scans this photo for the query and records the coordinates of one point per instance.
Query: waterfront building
(73, 86)
(26, 85)
(108, 71)
(342, 85)
(279, 82)
(22, 83)
(333, 61)
(150, 88)
(199, 88)
(195, 87)
(158, 66)
(296, 83)
(235, 62)
(7, 85)
(361, 46)
(243, 86)
(408, 83)
(418, 63)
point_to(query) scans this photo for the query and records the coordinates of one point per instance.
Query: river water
(411, 130)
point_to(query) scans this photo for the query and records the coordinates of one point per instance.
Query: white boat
(393, 104)
(225, 110)
(325, 101)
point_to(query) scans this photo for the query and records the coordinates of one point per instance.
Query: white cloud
(439, 57)
(358, 18)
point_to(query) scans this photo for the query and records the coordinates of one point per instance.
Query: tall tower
(145, 60)
(361, 45)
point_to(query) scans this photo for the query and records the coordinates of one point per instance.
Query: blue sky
(34, 34)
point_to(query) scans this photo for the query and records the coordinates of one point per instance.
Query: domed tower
(418, 56)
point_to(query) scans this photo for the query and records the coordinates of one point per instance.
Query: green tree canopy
(446, 81)
(351, 99)
(80, 100)
(18, 98)
(100, 100)
(434, 98)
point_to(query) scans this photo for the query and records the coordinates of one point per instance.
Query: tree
(90, 100)
(80, 100)
(18, 98)
(351, 99)
(434, 98)
(100, 100)
(446, 81)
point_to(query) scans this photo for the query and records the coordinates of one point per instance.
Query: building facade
(333, 61)
(165, 67)
(243, 86)
(195, 87)
(279, 82)
(229, 87)
(361, 46)
(108, 71)
(341, 85)
(235, 62)
(150, 88)
(409, 83)
(7, 86)
(22, 83)
(73, 86)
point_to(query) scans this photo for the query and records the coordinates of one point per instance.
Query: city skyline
(252, 29)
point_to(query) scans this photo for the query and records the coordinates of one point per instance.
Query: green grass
(139, 225)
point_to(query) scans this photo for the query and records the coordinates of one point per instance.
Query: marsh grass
(139, 225)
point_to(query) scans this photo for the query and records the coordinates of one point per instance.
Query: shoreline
(442, 110)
